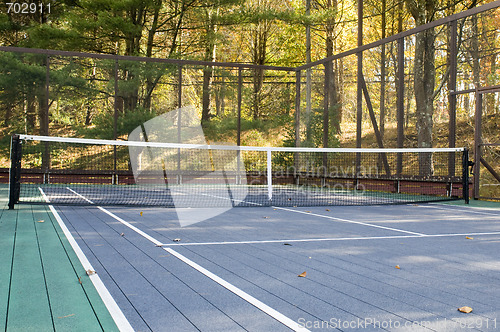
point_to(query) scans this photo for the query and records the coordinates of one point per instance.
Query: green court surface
(476, 203)
(43, 286)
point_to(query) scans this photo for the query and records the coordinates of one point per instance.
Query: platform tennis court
(395, 268)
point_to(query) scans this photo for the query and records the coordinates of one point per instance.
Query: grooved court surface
(40, 276)
(239, 271)
(448, 258)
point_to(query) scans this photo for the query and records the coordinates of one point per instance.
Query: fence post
(400, 106)
(477, 142)
(452, 97)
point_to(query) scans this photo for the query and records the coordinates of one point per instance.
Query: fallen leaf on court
(141, 213)
(469, 238)
(286, 244)
(265, 217)
(275, 209)
(398, 267)
(66, 316)
(40, 221)
(122, 234)
(90, 272)
(327, 209)
(308, 211)
(465, 309)
(177, 240)
(302, 275)
(80, 280)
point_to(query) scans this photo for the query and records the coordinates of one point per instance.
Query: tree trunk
(259, 58)
(258, 81)
(133, 48)
(335, 111)
(220, 102)
(151, 82)
(382, 72)
(208, 71)
(490, 97)
(30, 112)
(207, 87)
(424, 80)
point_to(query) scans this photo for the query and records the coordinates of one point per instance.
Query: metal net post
(15, 171)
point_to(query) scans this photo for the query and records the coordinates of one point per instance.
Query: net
(104, 172)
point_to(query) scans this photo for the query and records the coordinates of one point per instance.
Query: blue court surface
(367, 268)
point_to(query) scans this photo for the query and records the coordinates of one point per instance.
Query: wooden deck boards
(43, 286)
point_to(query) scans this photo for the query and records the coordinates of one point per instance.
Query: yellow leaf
(40, 221)
(397, 267)
(327, 210)
(302, 275)
(66, 316)
(465, 309)
(90, 272)
(308, 211)
(469, 238)
(141, 213)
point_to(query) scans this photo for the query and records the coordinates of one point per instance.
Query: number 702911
(27, 8)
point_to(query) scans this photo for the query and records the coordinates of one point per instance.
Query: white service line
(349, 221)
(290, 240)
(327, 217)
(245, 296)
(328, 239)
(119, 318)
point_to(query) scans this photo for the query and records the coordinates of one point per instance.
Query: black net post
(465, 175)
(15, 171)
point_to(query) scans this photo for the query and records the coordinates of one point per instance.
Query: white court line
(327, 217)
(250, 299)
(245, 296)
(328, 239)
(349, 221)
(137, 230)
(119, 318)
(464, 209)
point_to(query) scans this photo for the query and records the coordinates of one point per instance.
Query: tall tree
(425, 11)
(424, 77)
(213, 13)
